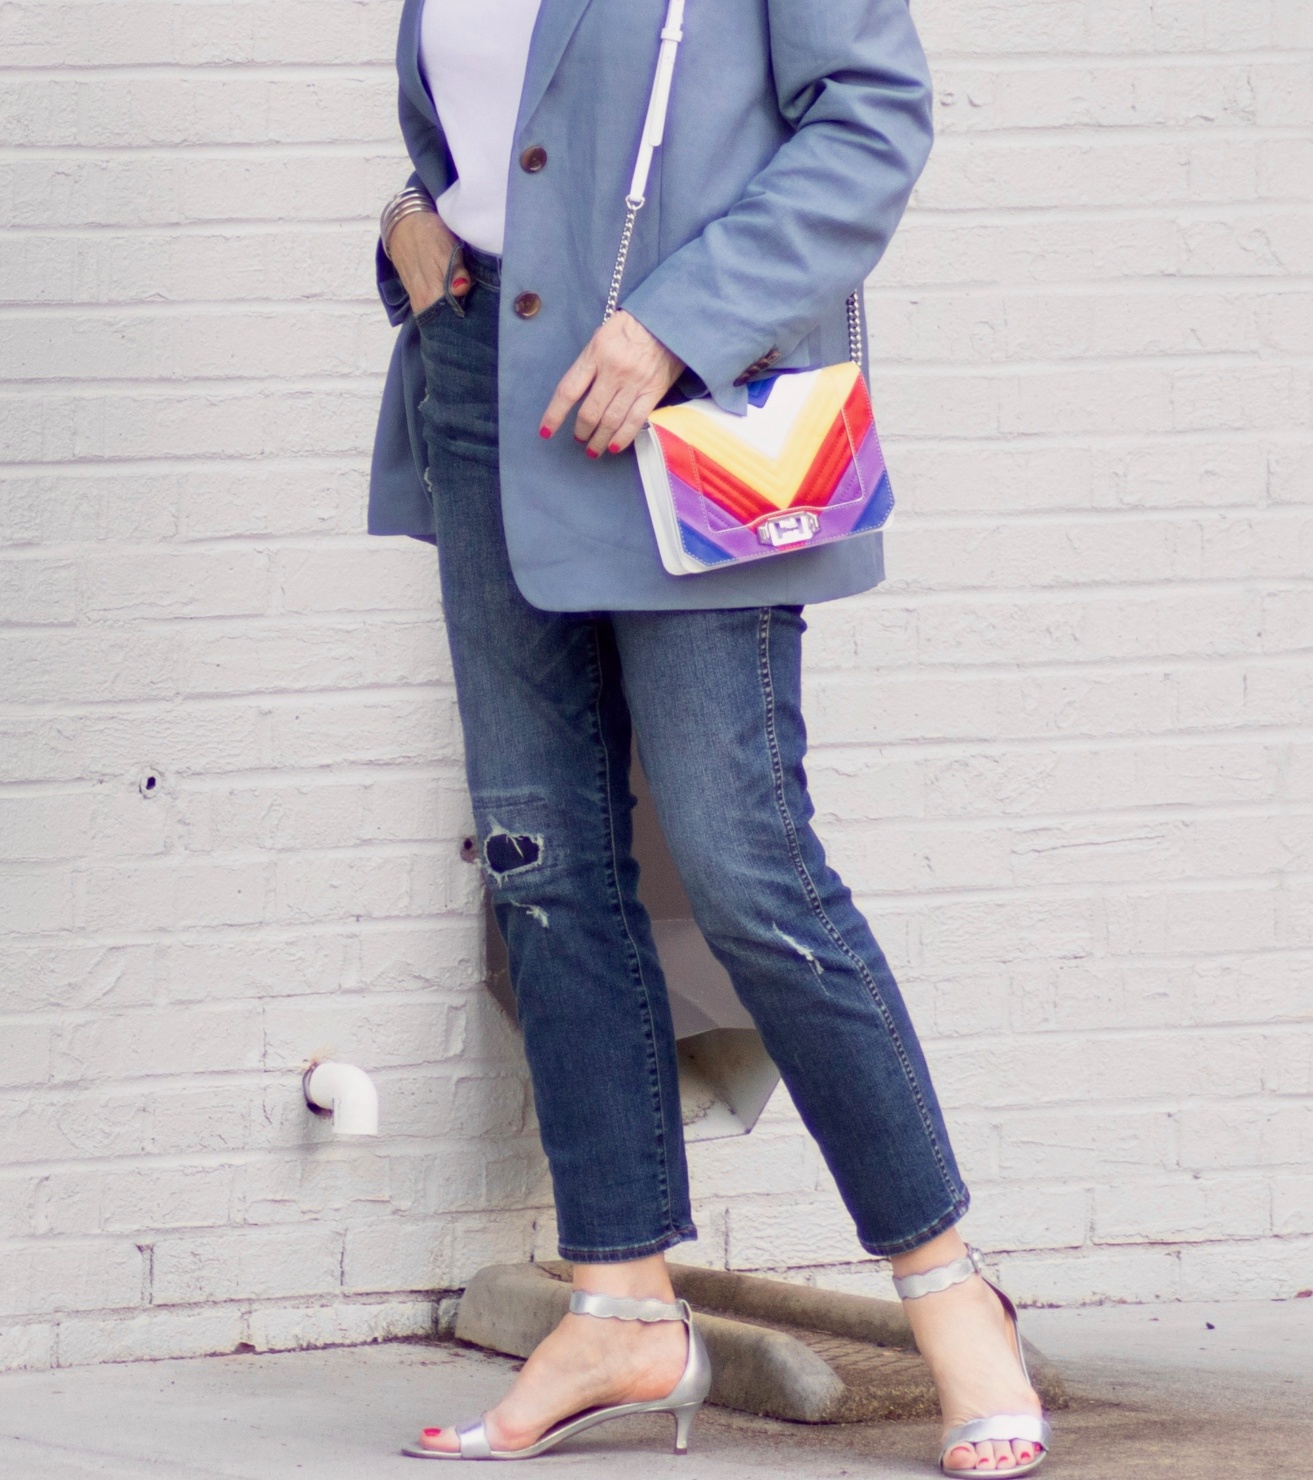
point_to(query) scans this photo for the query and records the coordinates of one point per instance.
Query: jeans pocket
(426, 316)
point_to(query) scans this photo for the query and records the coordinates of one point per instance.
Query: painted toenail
(432, 1433)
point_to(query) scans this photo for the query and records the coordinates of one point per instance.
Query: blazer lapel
(556, 23)
(412, 83)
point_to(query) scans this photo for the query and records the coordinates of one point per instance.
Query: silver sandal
(998, 1426)
(682, 1402)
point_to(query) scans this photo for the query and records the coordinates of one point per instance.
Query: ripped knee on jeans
(506, 853)
(507, 857)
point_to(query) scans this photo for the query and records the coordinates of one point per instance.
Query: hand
(421, 247)
(622, 374)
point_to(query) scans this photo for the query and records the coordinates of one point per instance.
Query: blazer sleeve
(852, 81)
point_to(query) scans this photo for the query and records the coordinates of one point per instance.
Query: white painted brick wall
(1064, 756)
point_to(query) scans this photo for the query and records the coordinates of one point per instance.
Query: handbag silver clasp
(788, 529)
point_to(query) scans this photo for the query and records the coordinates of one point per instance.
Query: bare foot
(970, 1347)
(586, 1362)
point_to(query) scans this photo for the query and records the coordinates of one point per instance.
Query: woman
(795, 134)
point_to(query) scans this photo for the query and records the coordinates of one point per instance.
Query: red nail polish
(460, 284)
(544, 431)
(591, 453)
(432, 1433)
(614, 447)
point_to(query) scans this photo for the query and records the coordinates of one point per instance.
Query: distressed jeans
(549, 703)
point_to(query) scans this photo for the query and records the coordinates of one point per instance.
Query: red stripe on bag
(740, 500)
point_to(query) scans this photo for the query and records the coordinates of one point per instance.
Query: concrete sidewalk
(1156, 1393)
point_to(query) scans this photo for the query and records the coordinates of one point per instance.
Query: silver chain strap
(632, 208)
(854, 330)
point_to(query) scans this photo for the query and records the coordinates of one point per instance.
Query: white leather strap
(614, 1307)
(658, 104)
(654, 130)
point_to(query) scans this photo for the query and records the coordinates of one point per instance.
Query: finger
(609, 423)
(572, 385)
(458, 276)
(622, 436)
(600, 410)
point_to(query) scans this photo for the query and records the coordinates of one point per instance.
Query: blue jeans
(547, 702)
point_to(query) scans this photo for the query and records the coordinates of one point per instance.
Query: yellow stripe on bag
(776, 479)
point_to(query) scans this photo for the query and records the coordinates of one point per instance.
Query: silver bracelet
(407, 202)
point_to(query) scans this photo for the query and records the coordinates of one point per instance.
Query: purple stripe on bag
(849, 508)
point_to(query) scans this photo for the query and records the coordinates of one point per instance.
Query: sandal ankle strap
(614, 1307)
(942, 1277)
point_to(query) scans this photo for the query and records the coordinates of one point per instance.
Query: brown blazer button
(528, 304)
(533, 159)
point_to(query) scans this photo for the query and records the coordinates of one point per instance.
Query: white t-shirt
(473, 59)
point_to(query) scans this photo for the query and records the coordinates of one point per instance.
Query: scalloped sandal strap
(942, 1277)
(617, 1308)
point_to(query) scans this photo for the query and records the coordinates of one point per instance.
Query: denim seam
(635, 956)
(618, 1252)
(818, 909)
(922, 1235)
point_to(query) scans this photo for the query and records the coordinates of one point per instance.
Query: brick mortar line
(184, 310)
(925, 974)
(1185, 208)
(1177, 285)
(427, 996)
(355, 539)
(1043, 58)
(1168, 212)
(1260, 357)
(1039, 137)
(893, 440)
(882, 902)
(251, 1158)
(899, 592)
(366, 304)
(878, 748)
(1166, 814)
(1036, 62)
(1135, 815)
(60, 1018)
(283, 698)
(382, 71)
(327, 1299)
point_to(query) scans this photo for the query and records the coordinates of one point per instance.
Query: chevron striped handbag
(803, 468)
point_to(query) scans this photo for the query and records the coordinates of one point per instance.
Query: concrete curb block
(809, 1311)
(786, 1351)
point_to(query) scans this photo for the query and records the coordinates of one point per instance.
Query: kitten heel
(684, 1425)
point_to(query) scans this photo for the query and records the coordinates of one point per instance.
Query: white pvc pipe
(348, 1092)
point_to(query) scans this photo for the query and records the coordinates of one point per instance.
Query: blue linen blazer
(797, 129)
